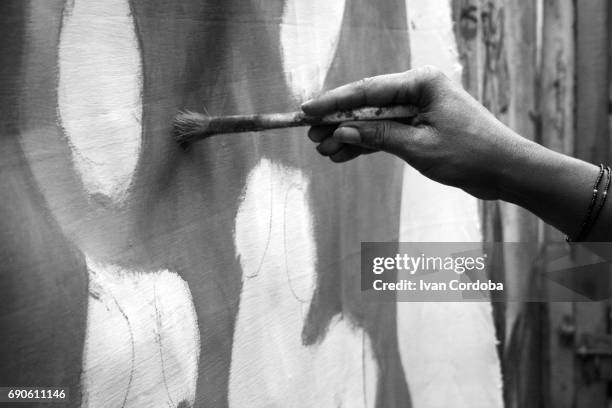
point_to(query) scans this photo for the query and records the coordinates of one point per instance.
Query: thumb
(385, 135)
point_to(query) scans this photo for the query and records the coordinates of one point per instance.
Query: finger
(318, 133)
(346, 153)
(367, 91)
(329, 146)
(405, 87)
(389, 136)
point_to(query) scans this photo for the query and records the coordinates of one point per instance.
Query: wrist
(525, 168)
(555, 187)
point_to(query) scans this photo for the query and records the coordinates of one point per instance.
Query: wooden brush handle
(190, 126)
(367, 113)
(266, 121)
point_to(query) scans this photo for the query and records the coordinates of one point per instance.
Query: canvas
(138, 272)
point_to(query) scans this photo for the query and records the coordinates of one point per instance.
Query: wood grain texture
(556, 107)
(592, 92)
(520, 39)
(555, 85)
(591, 143)
(498, 41)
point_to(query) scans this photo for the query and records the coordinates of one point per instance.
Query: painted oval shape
(270, 365)
(142, 342)
(99, 94)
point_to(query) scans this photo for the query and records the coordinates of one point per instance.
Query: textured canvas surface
(139, 273)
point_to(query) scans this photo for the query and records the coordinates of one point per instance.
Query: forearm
(556, 188)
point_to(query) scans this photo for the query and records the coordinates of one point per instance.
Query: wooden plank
(468, 33)
(467, 15)
(557, 75)
(556, 106)
(497, 46)
(609, 44)
(591, 143)
(522, 319)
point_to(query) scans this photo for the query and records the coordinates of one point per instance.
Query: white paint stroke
(309, 37)
(270, 365)
(448, 350)
(448, 354)
(142, 342)
(432, 40)
(99, 93)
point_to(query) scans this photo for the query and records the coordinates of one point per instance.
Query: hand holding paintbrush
(455, 140)
(449, 137)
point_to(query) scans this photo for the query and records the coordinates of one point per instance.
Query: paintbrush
(191, 126)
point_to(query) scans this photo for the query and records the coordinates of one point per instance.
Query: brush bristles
(189, 124)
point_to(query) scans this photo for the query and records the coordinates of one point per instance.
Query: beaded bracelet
(586, 222)
(603, 199)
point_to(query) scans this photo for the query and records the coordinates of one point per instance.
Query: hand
(453, 139)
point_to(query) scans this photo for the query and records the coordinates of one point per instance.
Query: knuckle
(363, 85)
(380, 135)
(432, 73)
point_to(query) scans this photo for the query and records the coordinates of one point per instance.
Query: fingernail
(347, 135)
